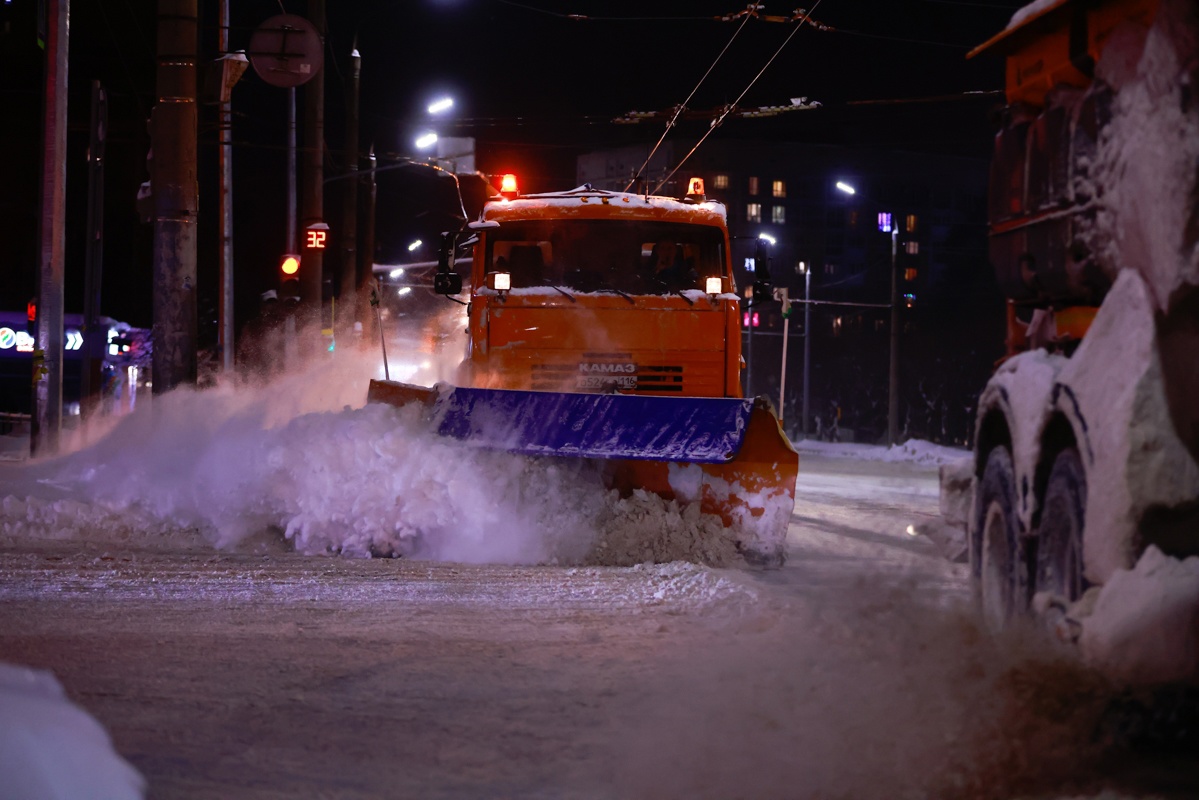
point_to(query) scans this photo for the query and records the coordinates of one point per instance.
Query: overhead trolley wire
(729, 108)
(674, 117)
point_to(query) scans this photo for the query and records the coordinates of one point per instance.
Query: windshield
(633, 256)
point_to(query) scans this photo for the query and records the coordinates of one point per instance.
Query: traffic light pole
(313, 200)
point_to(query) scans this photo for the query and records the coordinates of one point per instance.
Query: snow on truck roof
(588, 203)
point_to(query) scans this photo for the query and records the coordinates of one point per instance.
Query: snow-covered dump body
(630, 300)
(1087, 457)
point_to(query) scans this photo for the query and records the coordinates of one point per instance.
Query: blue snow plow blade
(702, 430)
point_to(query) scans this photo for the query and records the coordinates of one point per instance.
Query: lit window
(909, 274)
(830, 269)
(753, 212)
(836, 326)
(778, 215)
(912, 246)
(753, 185)
(852, 218)
(911, 223)
(779, 188)
(721, 181)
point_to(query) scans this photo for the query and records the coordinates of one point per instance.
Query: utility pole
(94, 338)
(173, 136)
(46, 419)
(225, 200)
(349, 218)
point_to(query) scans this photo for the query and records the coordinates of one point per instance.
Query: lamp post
(893, 369)
(893, 383)
(807, 341)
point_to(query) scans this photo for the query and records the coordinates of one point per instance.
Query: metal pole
(349, 219)
(783, 370)
(225, 202)
(807, 342)
(46, 419)
(893, 389)
(366, 255)
(94, 337)
(290, 246)
(749, 353)
(289, 324)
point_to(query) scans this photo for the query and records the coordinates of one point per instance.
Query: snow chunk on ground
(644, 528)
(1145, 625)
(52, 748)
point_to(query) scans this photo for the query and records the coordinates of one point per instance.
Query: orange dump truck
(1087, 445)
(605, 325)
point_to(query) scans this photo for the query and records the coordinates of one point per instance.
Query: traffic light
(289, 278)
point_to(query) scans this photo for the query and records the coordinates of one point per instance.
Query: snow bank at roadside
(916, 451)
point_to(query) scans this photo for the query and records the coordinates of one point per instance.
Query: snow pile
(50, 747)
(223, 467)
(916, 451)
(643, 529)
(1145, 625)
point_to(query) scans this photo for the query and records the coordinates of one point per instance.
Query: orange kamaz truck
(606, 325)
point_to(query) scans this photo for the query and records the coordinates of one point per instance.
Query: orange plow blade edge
(729, 454)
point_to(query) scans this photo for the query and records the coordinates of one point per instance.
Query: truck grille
(597, 372)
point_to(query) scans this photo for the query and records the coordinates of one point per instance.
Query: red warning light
(508, 186)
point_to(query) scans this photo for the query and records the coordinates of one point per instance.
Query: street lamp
(893, 387)
(807, 340)
(425, 141)
(440, 105)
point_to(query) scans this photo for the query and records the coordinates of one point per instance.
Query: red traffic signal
(289, 278)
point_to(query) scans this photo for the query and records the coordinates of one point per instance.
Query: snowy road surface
(857, 671)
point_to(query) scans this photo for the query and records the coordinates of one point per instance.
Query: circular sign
(286, 51)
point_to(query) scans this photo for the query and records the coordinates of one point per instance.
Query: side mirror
(762, 264)
(446, 281)
(445, 253)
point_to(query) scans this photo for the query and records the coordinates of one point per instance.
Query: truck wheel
(1001, 584)
(1059, 546)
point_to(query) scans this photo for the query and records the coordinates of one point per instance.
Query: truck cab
(596, 291)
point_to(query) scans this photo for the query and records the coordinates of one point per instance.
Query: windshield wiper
(667, 287)
(563, 292)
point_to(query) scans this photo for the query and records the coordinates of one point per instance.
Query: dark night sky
(532, 84)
